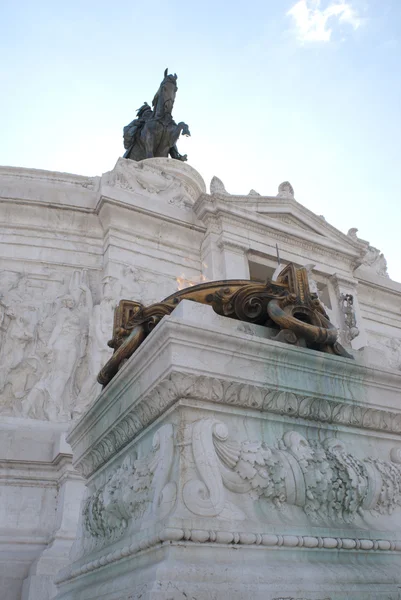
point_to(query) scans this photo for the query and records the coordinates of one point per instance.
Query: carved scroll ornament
(286, 305)
(324, 479)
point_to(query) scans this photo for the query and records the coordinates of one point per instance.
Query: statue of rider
(160, 117)
(130, 131)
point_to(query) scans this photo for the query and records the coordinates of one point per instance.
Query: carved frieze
(53, 340)
(182, 385)
(326, 480)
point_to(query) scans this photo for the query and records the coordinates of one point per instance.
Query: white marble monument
(221, 463)
(71, 248)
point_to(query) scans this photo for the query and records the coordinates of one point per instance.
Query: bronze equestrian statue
(154, 132)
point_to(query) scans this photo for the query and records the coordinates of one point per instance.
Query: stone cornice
(232, 244)
(90, 183)
(46, 473)
(105, 200)
(382, 284)
(340, 279)
(245, 218)
(178, 386)
(221, 204)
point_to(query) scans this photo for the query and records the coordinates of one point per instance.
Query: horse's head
(164, 99)
(170, 78)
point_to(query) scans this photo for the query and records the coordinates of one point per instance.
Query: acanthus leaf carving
(183, 385)
(137, 489)
(327, 481)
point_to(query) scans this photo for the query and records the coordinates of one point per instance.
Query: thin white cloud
(312, 21)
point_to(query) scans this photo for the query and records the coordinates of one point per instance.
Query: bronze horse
(154, 132)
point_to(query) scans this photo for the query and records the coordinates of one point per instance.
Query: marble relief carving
(54, 329)
(389, 348)
(53, 340)
(137, 490)
(325, 479)
(98, 353)
(347, 308)
(19, 324)
(179, 385)
(51, 395)
(371, 257)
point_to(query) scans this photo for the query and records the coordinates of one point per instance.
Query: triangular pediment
(290, 219)
(289, 215)
(289, 212)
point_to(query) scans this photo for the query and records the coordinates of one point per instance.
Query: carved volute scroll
(286, 305)
(325, 479)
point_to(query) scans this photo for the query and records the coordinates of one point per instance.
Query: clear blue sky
(272, 90)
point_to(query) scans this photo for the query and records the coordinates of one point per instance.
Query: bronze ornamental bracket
(286, 305)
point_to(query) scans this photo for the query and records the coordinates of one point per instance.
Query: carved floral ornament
(286, 305)
(138, 489)
(323, 479)
(178, 386)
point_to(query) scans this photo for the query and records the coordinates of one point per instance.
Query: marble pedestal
(222, 464)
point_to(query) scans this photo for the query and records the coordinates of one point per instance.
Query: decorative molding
(175, 535)
(227, 207)
(159, 176)
(236, 246)
(339, 279)
(90, 183)
(182, 385)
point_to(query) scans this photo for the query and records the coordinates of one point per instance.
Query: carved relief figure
(394, 346)
(371, 256)
(51, 396)
(376, 260)
(19, 321)
(98, 352)
(389, 350)
(285, 190)
(19, 333)
(347, 308)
